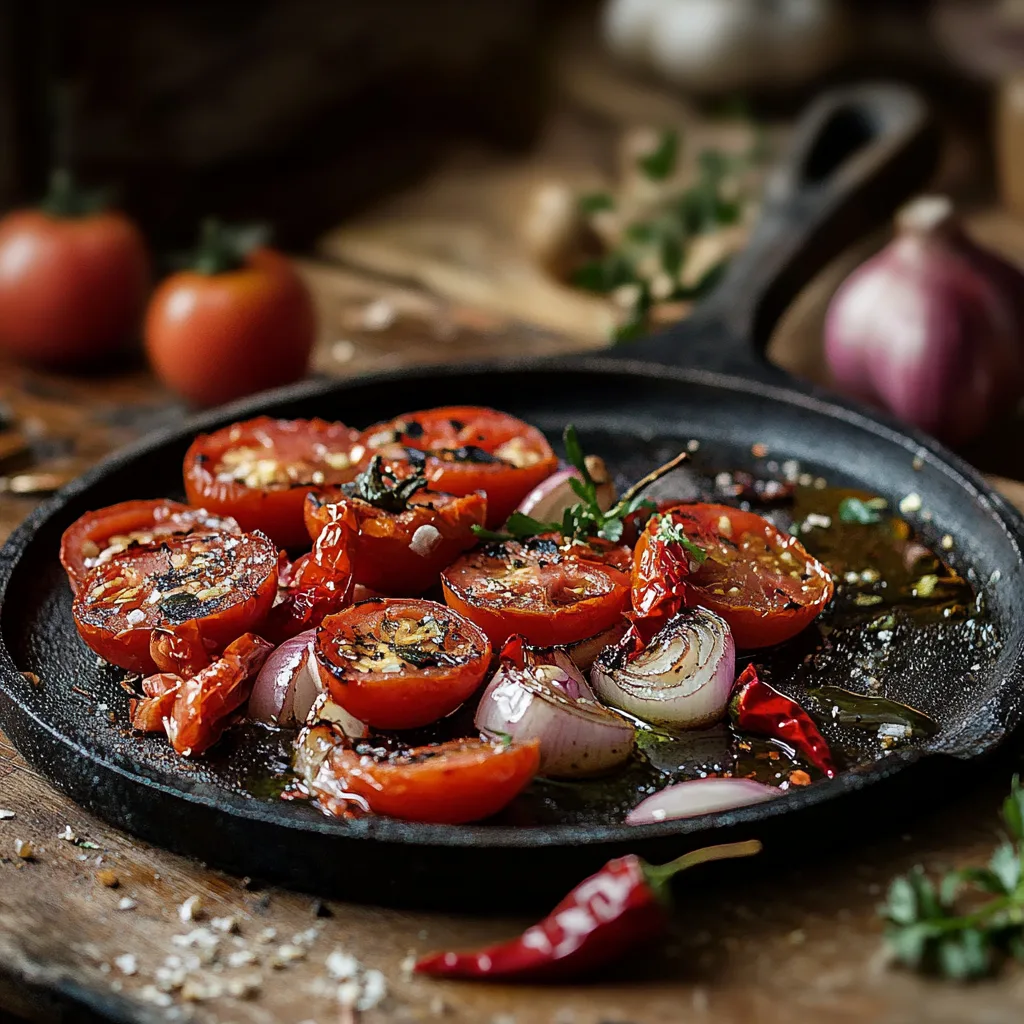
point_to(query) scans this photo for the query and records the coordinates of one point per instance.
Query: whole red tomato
(236, 324)
(73, 280)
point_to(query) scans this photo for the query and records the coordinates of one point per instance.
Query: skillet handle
(856, 154)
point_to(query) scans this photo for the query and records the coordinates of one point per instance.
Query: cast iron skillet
(857, 153)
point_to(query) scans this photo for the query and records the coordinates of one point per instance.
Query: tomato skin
(538, 608)
(215, 337)
(249, 561)
(771, 605)
(276, 509)
(457, 427)
(72, 289)
(409, 696)
(158, 518)
(456, 782)
(382, 558)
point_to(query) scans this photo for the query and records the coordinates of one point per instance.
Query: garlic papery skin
(930, 328)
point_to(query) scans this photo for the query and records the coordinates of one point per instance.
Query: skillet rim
(792, 393)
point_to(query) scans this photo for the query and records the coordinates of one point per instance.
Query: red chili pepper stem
(658, 876)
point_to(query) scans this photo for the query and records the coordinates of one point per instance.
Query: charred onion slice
(542, 696)
(465, 448)
(683, 677)
(260, 471)
(218, 585)
(400, 663)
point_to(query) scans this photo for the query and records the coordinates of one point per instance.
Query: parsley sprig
(928, 930)
(671, 532)
(586, 518)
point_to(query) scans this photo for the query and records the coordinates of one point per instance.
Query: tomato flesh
(98, 536)
(260, 471)
(760, 580)
(465, 449)
(448, 783)
(221, 585)
(535, 590)
(400, 663)
(403, 553)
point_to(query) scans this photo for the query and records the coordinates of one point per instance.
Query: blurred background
(456, 179)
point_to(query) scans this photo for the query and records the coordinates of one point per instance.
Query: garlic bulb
(714, 46)
(931, 327)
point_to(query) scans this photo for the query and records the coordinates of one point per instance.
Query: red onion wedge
(551, 497)
(541, 695)
(682, 678)
(288, 690)
(583, 652)
(700, 796)
(284, 674)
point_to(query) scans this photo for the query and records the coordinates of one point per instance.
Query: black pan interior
(72, 725)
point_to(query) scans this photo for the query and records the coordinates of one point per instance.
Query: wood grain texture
(802, 944)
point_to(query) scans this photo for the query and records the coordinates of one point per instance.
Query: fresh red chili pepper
(758, 708)
(625, 903)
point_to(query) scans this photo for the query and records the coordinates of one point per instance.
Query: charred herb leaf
(863, 513)
(378, 486)
(926, 930)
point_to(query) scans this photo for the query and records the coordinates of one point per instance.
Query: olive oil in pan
(903, 626)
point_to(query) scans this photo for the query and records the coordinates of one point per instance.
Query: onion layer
(543, 696)
(683, 677)
(583, 652)
(700, 796)
(288, 690)
(551, 497)
(284, 675)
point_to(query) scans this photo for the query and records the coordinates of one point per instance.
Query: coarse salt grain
(374, 989)
(191, 909)
(6, 815)
(341, 966)
(67, 835)
(126, 903)
(126, 964)
(241, 958)
(227, 925)
(910, 503)
(151, 994)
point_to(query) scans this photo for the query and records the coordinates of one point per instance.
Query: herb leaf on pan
(586, 518)
(952, 930)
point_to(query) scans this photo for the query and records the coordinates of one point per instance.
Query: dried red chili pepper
(758, 708)
(623, 904)
(660, 566)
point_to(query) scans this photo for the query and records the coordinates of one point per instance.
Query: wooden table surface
(800, 944)
(93, 918)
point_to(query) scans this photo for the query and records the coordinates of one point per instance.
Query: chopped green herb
(928, 932)
(660, 162)
(863, 513)
(670, 532)
(926, 585)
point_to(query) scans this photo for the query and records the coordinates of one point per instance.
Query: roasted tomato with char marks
(98, 536)
(400, 663)
(760, 580)
(211, 586)
(405, 535)
(535, 589)
(466, 448)
(446, 783)
(260, 471)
